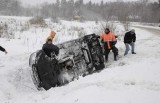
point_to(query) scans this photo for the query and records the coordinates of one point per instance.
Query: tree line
(141, 11)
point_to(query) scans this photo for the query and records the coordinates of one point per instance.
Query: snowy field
(131, 79)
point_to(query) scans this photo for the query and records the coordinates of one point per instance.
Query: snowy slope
(132, 79)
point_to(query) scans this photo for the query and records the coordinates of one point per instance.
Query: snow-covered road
(132, 79)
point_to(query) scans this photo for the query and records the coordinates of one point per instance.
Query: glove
(102, 41)
(132, 42)
(113, 43)
(5, 52)
(98, 36)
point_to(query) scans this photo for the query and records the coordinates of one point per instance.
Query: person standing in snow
(109, 41)
(130, 39)
(3, 50)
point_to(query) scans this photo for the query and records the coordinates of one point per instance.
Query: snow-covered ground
(131, 79)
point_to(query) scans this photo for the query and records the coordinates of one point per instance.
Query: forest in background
(138, 11)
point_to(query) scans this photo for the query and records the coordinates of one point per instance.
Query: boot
(133, 53)
(115, 58)
(106, 58)
(125, 54)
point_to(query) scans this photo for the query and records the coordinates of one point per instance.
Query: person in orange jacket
(52, 35)
(109, 41)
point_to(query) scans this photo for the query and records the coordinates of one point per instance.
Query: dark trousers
(114, 50)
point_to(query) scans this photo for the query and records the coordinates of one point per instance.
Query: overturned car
(78, 57)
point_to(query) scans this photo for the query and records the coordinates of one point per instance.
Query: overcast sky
(36, 2)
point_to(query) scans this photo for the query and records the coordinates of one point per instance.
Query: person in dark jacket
(109, 41)
(3, 50)
(49, 48)
(130, 39)
(48, 69)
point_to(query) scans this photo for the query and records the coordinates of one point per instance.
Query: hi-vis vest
(108, 38)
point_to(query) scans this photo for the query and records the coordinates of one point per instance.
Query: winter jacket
(109, 40)
(49, 48)
(2, 49)
(129, 37)
(52, 35)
